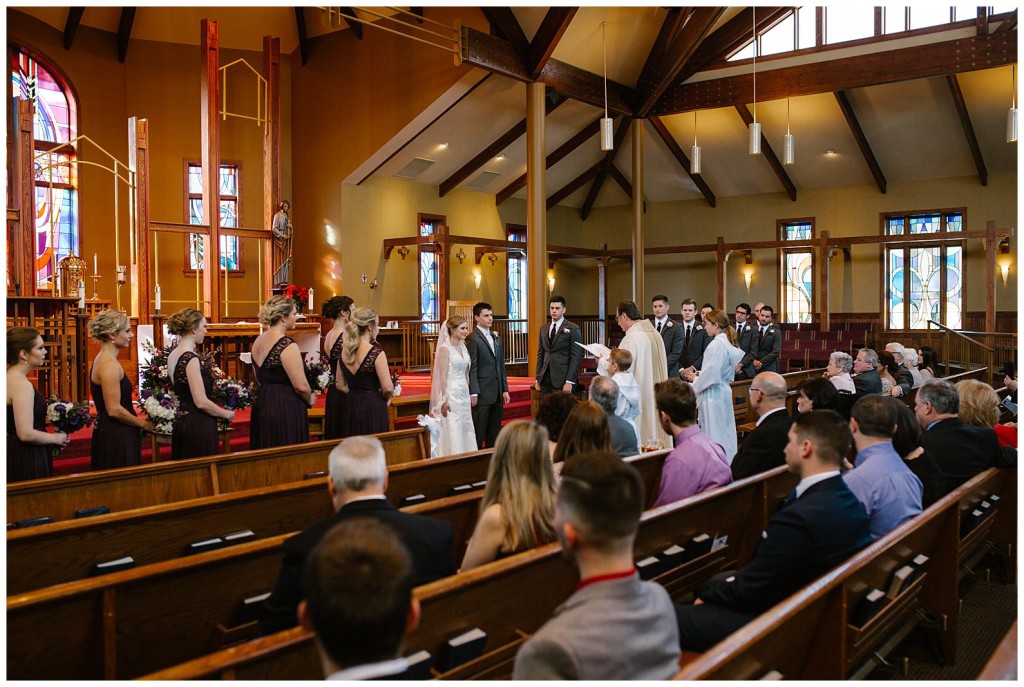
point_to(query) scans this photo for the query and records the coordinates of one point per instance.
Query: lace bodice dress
(195, 434)
(457, 432)
(279, 418)
(334, 404)
(366, 409)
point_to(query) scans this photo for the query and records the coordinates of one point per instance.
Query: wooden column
(271, 156)
(824, 266)
(638, 211)
(536, 218)
(25, 202)
(138, 162)
(721, 255)
(991, 243)
(210, 136)
(602, 297)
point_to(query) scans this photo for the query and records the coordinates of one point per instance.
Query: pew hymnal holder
(463, 649)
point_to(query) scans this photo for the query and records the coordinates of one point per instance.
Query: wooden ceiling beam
(300, 29)
(124, 32)
(489, 152)
(678, 52)
(357, 28)
(1008, 24)
(607, 161)
(498, 56)
(572, 144)
(769, 154)
(71, 25)
(505, 26)
(982, 21)
(862, 139)
(670, 26)
(682, 159)
(965, 121)
(827, 76)
(574, 185)
(621, 180)
(551, 30)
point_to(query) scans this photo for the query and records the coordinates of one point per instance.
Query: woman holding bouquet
(28, 442)
(279, 414)
(339, 309)
(364, 378)
(195, 434)
(115, 441)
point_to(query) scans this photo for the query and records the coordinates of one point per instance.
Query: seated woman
(517, 511)
(887, 369)
(928, 363)
(907, 442)
(552, 413)
(979, 406)
(586, 429)
(28, 442)
(816, 394)
(840, 365)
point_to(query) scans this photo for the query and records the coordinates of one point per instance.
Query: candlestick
(310, 300)
(158, 299)
(95, 293)
(95, 263)
(81, 296)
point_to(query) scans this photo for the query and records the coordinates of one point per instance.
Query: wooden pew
(160, 483)
(741, 392)
(809, 635)
(1003, 663)
(529, 586)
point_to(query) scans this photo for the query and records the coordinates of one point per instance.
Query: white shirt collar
(661, 321)
(369, 671)
(484, 330)
(558, 323)
(773, 410)
(807, 482)
(371, 497)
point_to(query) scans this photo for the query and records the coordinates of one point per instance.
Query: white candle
(158, 298)
(81, 296)
(95, 263)
(310, 300)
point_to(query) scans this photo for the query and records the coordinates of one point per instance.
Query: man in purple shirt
(697, 463)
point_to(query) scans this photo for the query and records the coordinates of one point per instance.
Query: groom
(486, 376)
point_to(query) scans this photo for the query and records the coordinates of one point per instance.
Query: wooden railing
(963, 349)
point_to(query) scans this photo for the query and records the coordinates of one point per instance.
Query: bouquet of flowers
(67, 417)
(231, 394)
(397, 382)
(299, 294)
(162, 408)
(318, 372)
(155, 376)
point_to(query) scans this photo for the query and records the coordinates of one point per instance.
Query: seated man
(697, 463)
(763, 449)
(605, 393)
(614, 626)
(904, 377)
(865, 373)
(820, 525)
(358, 478)
(359, 600)
(881, 481)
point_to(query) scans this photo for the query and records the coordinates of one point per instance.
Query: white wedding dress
(450, 384)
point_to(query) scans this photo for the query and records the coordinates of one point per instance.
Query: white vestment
(650, 366)
(715, 411)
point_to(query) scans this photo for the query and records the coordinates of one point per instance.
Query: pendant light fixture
(695, 150)
(787, 151)
(1011, 116)
(754, 146)
(606, 121)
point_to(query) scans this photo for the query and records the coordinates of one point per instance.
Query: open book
(595, 349)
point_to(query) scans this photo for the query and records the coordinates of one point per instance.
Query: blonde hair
(522, 480)
(359, 322)
(184, 321)
(979, 403)
(454, 322)
(622, 358)
(107, 324)
(721, 320)
(275, 309)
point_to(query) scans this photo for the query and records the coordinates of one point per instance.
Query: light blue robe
(715, 412)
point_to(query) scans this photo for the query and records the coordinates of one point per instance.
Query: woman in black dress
(115, 440)
(284, 396)
(365, 377)
(28, 442)
(339, 309)
(195, 434)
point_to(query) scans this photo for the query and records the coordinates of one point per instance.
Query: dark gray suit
(672, 335)
(767, 350)
(558, 359)
(745, 338)
(624, 441)
(699, 342)
(487, 381)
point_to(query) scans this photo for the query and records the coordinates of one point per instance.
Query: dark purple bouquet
(318, 372)
(231, 394)
(67, 417)
(162, 409)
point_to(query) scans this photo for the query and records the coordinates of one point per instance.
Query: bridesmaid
(115, 441)
(284, 393)
(339, 309)
(365, 377)
(195, 434)
(28, 442)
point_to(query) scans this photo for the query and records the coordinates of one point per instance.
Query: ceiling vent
(481, 182)
(414, 168)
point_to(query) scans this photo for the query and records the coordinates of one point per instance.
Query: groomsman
(765, 347)
(744, 334)
(695, 339)
(671, 333)
(558, 356)
(488, 383)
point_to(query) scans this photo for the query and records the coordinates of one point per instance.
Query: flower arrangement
(299, 294)
(231, 394)
(396, 381)
(162, 407)
(67, 417)
(318, 372)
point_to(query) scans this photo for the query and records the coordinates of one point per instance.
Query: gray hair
(843, 360)
(897, 350)
(943, 396)
(604, 391)
(910, 357)
(870, 357)
(357, 463)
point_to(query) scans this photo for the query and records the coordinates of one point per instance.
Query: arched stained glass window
(56, 176)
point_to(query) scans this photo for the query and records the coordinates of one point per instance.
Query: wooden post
(25, 202)
(271, 157)
(824, 266)
(536, 222)
(210, 135)
(638, 211)
(138, 162)
(722, 255)
(991, 243)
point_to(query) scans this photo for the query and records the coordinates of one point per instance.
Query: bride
(449, 390)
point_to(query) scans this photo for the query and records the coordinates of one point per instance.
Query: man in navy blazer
(820, 525)
(357, 481)
(488, 383)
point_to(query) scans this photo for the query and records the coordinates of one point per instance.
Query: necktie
(789, 499)
(760, 334)
(659, 327)
(551, 334)
(739, 328)
(686, 342)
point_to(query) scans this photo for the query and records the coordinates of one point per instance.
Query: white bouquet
(162, 409)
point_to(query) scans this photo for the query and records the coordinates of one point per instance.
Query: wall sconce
(493, 258)
(747, 274)
(373, 284)
(1004, 269)
(461, 255)
(403, 251)
(551, 280)
(364, 277)
(476, 277)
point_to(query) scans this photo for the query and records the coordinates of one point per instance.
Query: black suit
(962, 451)
(767, 349)
(558, 358)
(488, 381)
(672, 335)
(693, 355)
(429, 542)
(803, 541)
(746, 337)
(904, 379)
(764, 448)
(867, 382)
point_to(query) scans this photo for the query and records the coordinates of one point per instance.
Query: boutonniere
(565, 329)
(771, 330)
(699, 327)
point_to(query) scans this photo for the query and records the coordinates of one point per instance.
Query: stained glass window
(516, 265)
(797, 271)
(924, 282)
(55, 122)
(230, 246)
(428, 275)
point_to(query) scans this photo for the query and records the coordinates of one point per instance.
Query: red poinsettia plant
(299, 294)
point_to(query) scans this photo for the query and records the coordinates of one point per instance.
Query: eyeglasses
(752, 390)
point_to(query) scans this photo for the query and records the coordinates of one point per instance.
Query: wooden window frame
(442, 222)
(238, 273)
(511, 229)
(780, 232)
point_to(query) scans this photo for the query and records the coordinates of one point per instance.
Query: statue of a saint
(281, 228)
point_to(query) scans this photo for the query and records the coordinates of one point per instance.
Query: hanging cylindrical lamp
(607, 136)
(695, 150)
(754, 145)
(787, 150)
(1011, 116)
